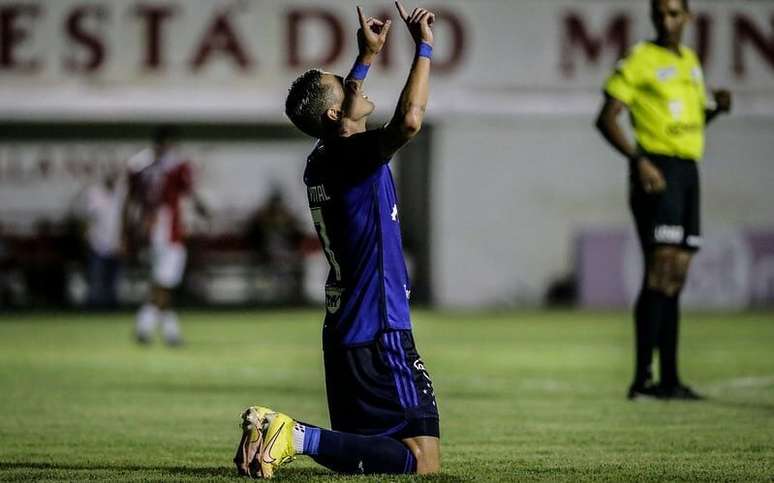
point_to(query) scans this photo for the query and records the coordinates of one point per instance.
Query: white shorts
(167, 264)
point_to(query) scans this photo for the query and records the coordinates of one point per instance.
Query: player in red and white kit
(159, 180)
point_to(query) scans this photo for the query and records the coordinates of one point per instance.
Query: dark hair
(685, 4)
(165, 133)
(307, 101)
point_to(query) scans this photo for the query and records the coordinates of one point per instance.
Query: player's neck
(351, 128)
(668, 45)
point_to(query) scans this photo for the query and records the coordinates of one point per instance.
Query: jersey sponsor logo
(676, 108)
(679, 128)
(333, 299)
(317, 194)
(669, 234)
(666, 73)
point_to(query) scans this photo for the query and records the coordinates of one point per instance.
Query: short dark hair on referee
(307, 101)
(685, 4)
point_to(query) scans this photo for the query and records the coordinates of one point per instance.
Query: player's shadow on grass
(295, 474)
(306, 474)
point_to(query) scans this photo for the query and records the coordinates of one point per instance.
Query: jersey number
(319, 223)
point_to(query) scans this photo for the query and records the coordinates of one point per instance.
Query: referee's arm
(607, 124)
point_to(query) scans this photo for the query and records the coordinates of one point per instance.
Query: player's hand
(372, 33)
(722, 100)
(418, 23)
(650, 176)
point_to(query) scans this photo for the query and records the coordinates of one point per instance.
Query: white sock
(299, 432)
(147, 320)
(170, 326)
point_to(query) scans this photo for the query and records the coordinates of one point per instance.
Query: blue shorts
(381, 388)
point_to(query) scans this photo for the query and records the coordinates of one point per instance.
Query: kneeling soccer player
(381, 401)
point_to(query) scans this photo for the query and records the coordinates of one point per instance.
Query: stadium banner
(233, 59)
(733, 270)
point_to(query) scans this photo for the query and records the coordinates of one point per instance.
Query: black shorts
(671, 217)
(380, 389)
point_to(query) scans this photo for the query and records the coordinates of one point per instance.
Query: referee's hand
(722, 100)
(650, 176)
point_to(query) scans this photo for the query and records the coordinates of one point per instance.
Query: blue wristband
(359, 71)
(425, 50)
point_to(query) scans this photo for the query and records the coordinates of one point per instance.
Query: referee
(660, 83)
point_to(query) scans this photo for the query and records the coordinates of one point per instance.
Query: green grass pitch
(523, 396)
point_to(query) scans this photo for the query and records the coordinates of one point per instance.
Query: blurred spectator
(102, 207)
(276, 237)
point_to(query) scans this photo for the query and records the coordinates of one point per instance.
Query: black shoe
(681, 392)
(142, 339)
(646, 390)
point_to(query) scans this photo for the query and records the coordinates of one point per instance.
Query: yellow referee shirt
(666, 97)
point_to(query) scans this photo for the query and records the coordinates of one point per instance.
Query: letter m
(577, 39)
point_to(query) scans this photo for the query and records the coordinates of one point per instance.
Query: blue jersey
(354, 207)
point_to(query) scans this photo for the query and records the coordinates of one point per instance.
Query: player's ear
(333, 114)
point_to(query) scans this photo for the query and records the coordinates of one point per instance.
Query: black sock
(648, 314)
(667, 343)
(354, 453)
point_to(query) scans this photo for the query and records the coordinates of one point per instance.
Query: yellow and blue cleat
(277, 448)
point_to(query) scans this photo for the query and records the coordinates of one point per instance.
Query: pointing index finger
(361, 17)
(401, 11)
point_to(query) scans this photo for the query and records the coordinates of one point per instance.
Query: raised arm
(371, 37)
(410, 111)
(608, 125)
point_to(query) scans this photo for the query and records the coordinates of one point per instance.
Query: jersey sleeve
(622, 83)
(698, 75)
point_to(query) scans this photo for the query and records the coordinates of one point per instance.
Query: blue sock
(353, 453)
(306, 438)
